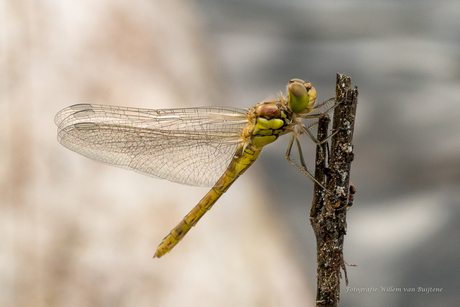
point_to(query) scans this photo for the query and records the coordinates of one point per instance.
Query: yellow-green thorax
(268, 120)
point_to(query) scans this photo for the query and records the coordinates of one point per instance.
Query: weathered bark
(328, 213)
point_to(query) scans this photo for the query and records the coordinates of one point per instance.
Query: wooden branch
(328, 214)
(320, 165)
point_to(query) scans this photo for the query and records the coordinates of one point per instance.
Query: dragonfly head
(301, 96)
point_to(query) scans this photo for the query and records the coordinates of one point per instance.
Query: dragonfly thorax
(268, 120)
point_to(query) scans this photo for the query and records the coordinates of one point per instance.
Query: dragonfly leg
(303, 167)
(318, 115)
(321, 114)
(313, 138)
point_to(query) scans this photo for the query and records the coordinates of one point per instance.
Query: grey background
(75, 232)
(404, 57)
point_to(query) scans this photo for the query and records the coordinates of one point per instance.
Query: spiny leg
(318, 115)
(313, 138)
(303, 168)
(321, 114)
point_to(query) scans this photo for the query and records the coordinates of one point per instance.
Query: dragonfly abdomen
(267, 121)
(244, 157)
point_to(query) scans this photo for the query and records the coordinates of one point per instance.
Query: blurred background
(74, 232)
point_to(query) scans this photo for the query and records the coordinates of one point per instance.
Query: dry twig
(328, 214)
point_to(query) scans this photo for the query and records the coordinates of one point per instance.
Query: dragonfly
(201, 146)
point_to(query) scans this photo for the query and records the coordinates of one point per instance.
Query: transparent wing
(190, 146)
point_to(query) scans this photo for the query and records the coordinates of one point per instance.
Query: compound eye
(297, 89)
(296, 80)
